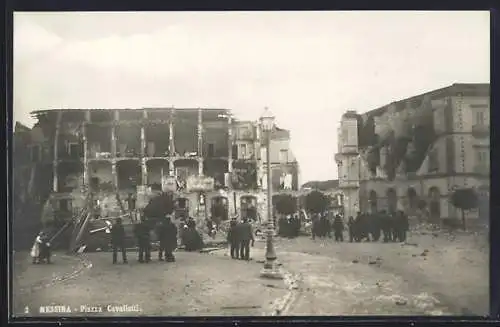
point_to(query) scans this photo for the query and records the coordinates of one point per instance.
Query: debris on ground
(400, 302)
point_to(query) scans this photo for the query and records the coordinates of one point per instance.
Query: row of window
(482, 159)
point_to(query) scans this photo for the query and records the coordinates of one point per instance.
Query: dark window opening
(65, 205)
(74, 150)
(94, 184)
(181, 203)
(211, 150)
(219, 209)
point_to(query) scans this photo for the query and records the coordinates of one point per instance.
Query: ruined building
(204, 156)
(414, 152)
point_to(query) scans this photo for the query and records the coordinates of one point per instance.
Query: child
(44, 246)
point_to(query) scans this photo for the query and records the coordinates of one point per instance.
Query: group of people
(166, 232)
(322, 226)
(40, 251)
(371, 227)
(289, 226)
(240, 237)
(392, 227)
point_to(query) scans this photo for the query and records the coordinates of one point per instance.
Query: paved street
(430, 275)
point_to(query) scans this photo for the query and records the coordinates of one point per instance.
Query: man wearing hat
(118, 240)
(233, 238)
(245, 236)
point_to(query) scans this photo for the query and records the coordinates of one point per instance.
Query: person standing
(170, 239)
(245, 232)
(315, 228)
(161, 232)
(35, 250)
(118, 240)
(142, 234)
(375, 226)
(338, 227)
(403, 226)
(45, 252)
(233, 239)
(394, 222)
(358, 227)
(385, 221)
(350, 225)
(131, 202)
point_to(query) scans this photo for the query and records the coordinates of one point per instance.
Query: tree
(464, 199)
(159, 206)
(285, 204)
(316, 202)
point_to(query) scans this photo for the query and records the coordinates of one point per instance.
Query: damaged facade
(420, 148)
(204, 156)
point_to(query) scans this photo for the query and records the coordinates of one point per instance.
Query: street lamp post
(270, 269)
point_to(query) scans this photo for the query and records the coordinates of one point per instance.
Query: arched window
(412, 198)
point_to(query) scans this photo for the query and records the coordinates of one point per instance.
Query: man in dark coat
(325, 226)
(375, 226)
(394, 221)
(365, 227)
(161, 231)
(118, 240)
(358, 227)
(170, 239)
(45, 250)
(233, 239)
(338, 227)
(402, 226)
(385, 222)
(351, 226)
(245, 233)
(142, 233)
(315, 228)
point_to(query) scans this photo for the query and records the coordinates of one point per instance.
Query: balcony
(482, 169)
(481, 130)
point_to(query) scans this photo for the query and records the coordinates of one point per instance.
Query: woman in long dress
(35, 250)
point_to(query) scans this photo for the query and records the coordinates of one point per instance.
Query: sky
(307, 67)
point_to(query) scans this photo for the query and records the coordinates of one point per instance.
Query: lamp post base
(271, 271)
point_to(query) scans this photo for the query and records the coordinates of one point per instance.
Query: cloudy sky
(307, 67)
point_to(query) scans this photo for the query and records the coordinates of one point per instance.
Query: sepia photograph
(265, 163)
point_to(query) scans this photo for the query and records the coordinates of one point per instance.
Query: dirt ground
(195, 285)
(431, 274)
